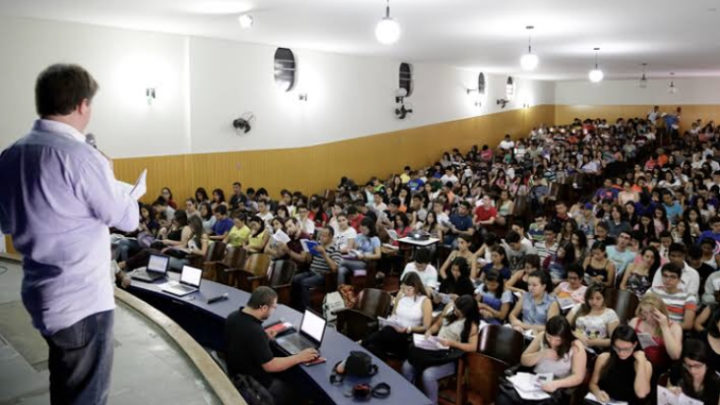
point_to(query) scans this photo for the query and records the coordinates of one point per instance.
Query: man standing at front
(58, 196)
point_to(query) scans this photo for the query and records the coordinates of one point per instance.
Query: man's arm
(106, 199)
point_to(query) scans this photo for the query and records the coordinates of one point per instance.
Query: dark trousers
(301, 285)
(388, 341)
(81, 360)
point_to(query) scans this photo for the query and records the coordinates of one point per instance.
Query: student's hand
(445, 342)
(675, 390)
(549, 386)
(639, 355)
(398, 329)
(271, 333)
(307, 355)
(320, 249)
(660, 318)
(603, 396)
(550, 354)
(428, 334)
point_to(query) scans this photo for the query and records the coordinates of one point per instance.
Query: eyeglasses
(693, 366)
(623, 349)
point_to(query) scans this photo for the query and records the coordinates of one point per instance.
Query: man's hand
(271, 333)
(307, 355)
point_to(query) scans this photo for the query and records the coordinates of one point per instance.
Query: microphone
(90, 140)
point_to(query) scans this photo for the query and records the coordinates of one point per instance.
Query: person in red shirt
(485, 213)
(354, 217)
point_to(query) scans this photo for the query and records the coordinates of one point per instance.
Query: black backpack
(252, 391)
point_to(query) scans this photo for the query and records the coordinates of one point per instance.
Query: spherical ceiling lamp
(245, 21)
(596, 75)
(387, 30)
(529, 61)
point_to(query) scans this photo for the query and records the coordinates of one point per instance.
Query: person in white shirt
(689, 279)
(449, 176)
(427, 272)
(507, 143)
(344, 233)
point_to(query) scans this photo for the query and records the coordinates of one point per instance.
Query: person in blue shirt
(712, 233)
(223, 224)
(673, 209)
(460, 224)
(498, 262)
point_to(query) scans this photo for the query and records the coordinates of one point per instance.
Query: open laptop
(156, 269)
(312, 330)
(189, 282)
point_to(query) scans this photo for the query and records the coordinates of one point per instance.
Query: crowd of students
(649, 226)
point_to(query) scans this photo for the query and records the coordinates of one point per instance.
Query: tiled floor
(147, 368)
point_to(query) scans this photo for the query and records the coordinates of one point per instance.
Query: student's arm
(375, 255)
(611, 275)
(532, 355)
(708, 297)
(468, 347)
(435, 327)
(577, 374)
(643, 372)
(606, 341)
(701, 319)
(446, 265)
(626, 276)
(510, 284)
(601, 395)
(516, 311)
(688, 317)
(473, 268)
(278, 364)
(672, 336)
(427, 317)
(204, 241)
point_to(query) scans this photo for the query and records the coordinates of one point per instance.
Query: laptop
(189, 282)
(312, 330)
(156, 269)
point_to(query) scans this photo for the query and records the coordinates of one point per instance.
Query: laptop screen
(191, 276)
(158, 263)
(313, 325)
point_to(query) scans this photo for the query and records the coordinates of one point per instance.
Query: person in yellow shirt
(405, 175)
(239, 233)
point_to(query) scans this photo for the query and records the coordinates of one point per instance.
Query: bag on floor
(332, 302)
(252, 391)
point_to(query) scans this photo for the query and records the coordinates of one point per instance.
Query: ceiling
(669, 35)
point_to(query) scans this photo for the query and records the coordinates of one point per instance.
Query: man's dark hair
(60, 88)
(422, 256)
(221, 209)
(695, 252)
(512, 237)
(237, 183)
(677, 247)
(262, 296)
(671, 268)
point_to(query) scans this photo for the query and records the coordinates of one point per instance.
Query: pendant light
(387, 30)
(596, 75)
(529, 61)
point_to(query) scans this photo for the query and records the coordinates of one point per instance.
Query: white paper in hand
(140, 186)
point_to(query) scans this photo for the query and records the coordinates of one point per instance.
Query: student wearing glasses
(695, 378)
(681, 305)
(615, 369)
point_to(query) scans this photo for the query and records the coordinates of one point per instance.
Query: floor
(147, 368)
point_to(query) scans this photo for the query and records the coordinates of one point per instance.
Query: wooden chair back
(623, 302)
(257, 264)
(374, 302)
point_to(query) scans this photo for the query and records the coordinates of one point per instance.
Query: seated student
(689, 278)
(458, 281)
(292, 249)
(493, 300)
(460, 224)
(458, 329)
(366, 246)
(556, 264)
(518, 282)
(421, 265)
(651, 317)
(239, 233)
(592, 321)
(620, 253)
(413, 314)
(555, 351)
(549, 245)
(680, 304)
(638, 275)
(344, 233)
(711, 336)
(463, 250)
(327, 260)
(248, 346)
(695, 378)
(259, 235)
(517, 248)
(498, 262)
(222, 225)
(695, 260)
(573, 287)
(614, 370)
(536, 306)
(207, 216)
(598, 268)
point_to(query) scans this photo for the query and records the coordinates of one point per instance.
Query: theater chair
(215, 252)
(499, 348)
(317, 294)
(218, 270)
(623, 302)
(281, 275)
(254, 272)
(360, 321)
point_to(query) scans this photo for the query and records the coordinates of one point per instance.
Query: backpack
(332, 302)
(252, 391)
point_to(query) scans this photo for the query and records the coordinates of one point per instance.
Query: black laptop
(156, 269)
(312, 330)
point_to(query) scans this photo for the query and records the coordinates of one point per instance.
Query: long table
(206, 323)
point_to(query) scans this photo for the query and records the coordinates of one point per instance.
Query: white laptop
(189, 282)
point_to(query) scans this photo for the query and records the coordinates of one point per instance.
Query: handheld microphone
(218, 298)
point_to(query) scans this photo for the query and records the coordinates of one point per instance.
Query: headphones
(362, 390)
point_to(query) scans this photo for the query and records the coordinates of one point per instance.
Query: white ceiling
(670, 35)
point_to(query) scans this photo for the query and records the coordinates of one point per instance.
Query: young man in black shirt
(248, 346)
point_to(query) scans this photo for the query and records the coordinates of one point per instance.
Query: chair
(281, 277)
(214, 252)
(623, 302)
(361, 320)
(499, 348)
(317, 294)
(255, 272)
(215, 270)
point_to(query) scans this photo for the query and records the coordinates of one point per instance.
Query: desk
(206, 323)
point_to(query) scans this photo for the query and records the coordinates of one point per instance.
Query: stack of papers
(281, 236)
(428, 343)
(566, 303)
(666, 397)
(383, 322)
(592, 397)
(528, 385)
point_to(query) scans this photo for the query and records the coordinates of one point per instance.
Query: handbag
(252, 391)
(423, 358)
(359, 364)
(331, 303)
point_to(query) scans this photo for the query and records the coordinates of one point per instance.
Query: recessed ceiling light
(245, 21)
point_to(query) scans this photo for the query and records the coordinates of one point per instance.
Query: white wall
(203, 84)
(627, 92)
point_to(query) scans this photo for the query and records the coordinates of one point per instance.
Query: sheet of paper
(383, 322)
(526, 385)
(140, 187)
(429, 343)
(592, 397)
(281, 236)
(646, 340)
